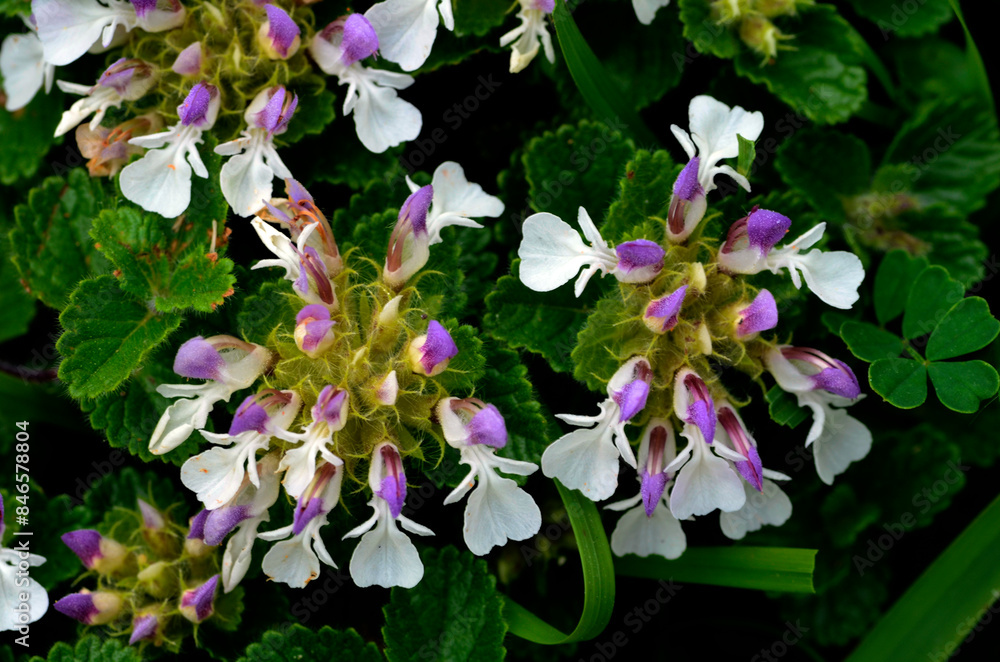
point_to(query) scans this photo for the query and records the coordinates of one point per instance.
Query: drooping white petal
(385, 556)
(161, 180)
(381, 118)
(299, 463)
(552, 252)
(586, 459)
(23, 68)
(638, 534)
(528, 35)
(770, 506)
(447, 15)
(645, 10)
(457, 201)
(293, 561)
(832, 276)
(216, 474)
(705, 483)
(68, 28)
(845, 439)
(246, 180)
(498, 509)
(186, 415)
(239, 551)
(406, 30)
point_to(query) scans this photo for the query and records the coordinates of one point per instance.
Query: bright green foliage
(706, 35)
(316, 109)
(807, 158)
(298, 643)
(746, 156)
(92, 648)
(157, 260)
(107, 336)
(577, 166)
(52, 228)
(453, 614)
(898, 20)
(893, 282)
(783, 407)
(644, 191)
(28, 137)
(18, 308)
(15, 7)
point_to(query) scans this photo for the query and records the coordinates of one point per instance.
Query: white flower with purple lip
(24, 69)
(69, 28)
(278, 36)
(244, 512)
(661, 314)
(498, 510)
(687, 204)
(125, 80)
(409, 243)
(161, 180)
(714, 127)
(587, 459)
(381, 118)
(296, 561)
(825, 385)
(704, 482)
(227, 364)
(314, 330)
(329, 415)
(13, 585)
(297, 212)
(552, 253)
(246, 177)
(430, 353)
(761, 314)
(198, 603)
(385, 556)
(648, 527)
(407, 28)
(645, 10)
(304, 264)
(532, 32)
(216, 474)
(455, 201)
(750, 240)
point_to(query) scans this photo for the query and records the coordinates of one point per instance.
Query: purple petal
(487, 427)
(268, 117)
(631, 399)
(438, 347)
(687, 186)
(839, 381)
(143, 7)
(117, 77)
(143, 627)
(752, 471)
(197, 525)
(188, 62)
(85, 543)
(639, 254)
(760, 315)
(313, 310)
(766, 228)
(547, 6)
(297, 193)
(667, 308)
(201, 598)
(415, 208)
(305, 515)
(282, 31)
(79, 606)
(329, 405)
(652, 490)
(702, 414)
(393, 490)
(360, 39)
(315, 334)
(249, 416)
(195, 106)
(197, 359)
(151, 517)
(222, 521)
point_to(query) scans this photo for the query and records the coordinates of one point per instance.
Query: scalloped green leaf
(901, 382)
(28, 138)
(644, 191)
(806, 159)
(92, 648)
(962, 385)
(18, 308)
(901, 19)
(967, 327)
(893, 281)
(107, 335)
(784, 408)
(453, 614)
(52, 228)
(297, 643)
(705, 34)
(869, 342)
(933, 294)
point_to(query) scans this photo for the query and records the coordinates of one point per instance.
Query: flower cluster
(686, 311)
(352, 381)
(154, 587)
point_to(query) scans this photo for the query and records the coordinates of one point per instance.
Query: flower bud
(158, 579)
(471, 421)
(145, 627)
(109, 149)
(750, 239)
(409, 245)
(629, 387)
(761, 35)
(661, 314)
(130, 78)
(197, 603)
(96, 608)
(95, 551)
(188, 62)
(314, 330)
(687, 204)
(200, 107)
(342, 43)
(760, 315)
(278, 37)
(429, 354)
(271, 110)
(639, 261)
(388, 390)
(693, 404)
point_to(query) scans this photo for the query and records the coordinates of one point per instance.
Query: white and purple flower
(455, 201)
(125, 80)
(429, 354)
(661, 314)
(409, 244)
(305, 265)
(532, 33)
(279, 35)
(329, 415)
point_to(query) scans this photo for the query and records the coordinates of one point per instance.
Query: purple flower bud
(638, 261)
(221, 522)
(95, 551)
(487, 427)
(409, 243)
(693, 403)
(760, 315)
(200, 107)
(359, 39)
(279, 35)
(387, 471)
(188, 62)
(131, 79)
(687, 205)
(429, 354)
(144, 626)
(151, 517)
(653, 478)
(313, 283)
(331, 407)
(752, 470)
(196, 603)
(198, 359)
(314, 330)
(833, 376)
(278, 111)
(751, 238)
(661, 314)
(89, 608)
(631, 397)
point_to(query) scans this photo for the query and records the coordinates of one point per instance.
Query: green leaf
(297, 643)
(60, 515)
(936, 613)
(967, 327)
(746, 155)
(933, 294)
(806, 159)
(963, 384)
(577, 166)
(27, 137)
(605, 342)
(893, 282)
(18, 308)
(607, 101)
(315, 111)
(269, 309)
(845, 516)
(544, 323)
(453, 614)
(784, 408)
(92, 648)
(51, 229)
(707, 35)
(352, 166)
(644, 191)
(904, 20)
(478, 17)
(822, 78)
(15, 7)
(598, 579)
(172, 268)
(870, 343)
(902, 382)
(768, 568)
(932, 68)
(120, 487)
(107, 336)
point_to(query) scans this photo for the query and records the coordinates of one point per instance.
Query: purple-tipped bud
(95, 551)
(693, 403)
(751, 238)
(314, 330)
(131, 79)
(360, 40)
(761, 315)
(752, 470)
(661, 314)
(278, 37)
(200, 107)
(197, 603)
(409, 244)
(197, 525)
(188, 62)
(151, 517)
(314, 284)
(144, 628)
(832, 375)
(629, 388)
(276, 112)
(638, 261)
(687, 205)
(331, 407)
(487, 427)
(319, 497)
(96, 608)
(430, 354)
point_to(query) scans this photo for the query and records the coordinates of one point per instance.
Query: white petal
(246, 181)
(685, 140)
(704, 484)
(456, 201)
(714, 126)
(845, 439)
(23, 68)
(498, 511)
(239, 551)
(638, 534)
(184, 416)
(770, 506)
(447, 15)
(216, 474)
(381, 118)
(833, 276)
(552, 253)
(807, 239)
(386, 557)
(10, 593)
(645, 10)
(159, 182)
(585, 460)
(406, 30)
(68, 28)
(292, 562)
